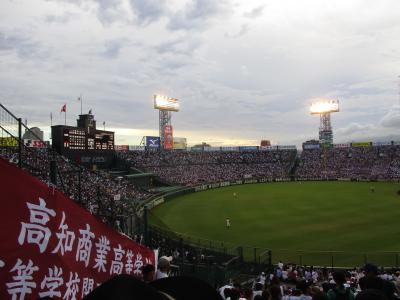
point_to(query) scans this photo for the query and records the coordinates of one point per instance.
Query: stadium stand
(194, 168)
(357, 163)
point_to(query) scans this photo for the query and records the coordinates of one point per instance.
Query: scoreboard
(77, 139)
(74, 138)
(104, 140)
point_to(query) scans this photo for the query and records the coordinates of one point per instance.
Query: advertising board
(341, 146)
(227, 149)
(136, 148)
(361, 144)
(153, 142)
(209, 149)
(121, 147)
(180, 143)
(288, 147)
(311, 146)
(8, 142)
(268, 148)
(168, 138)
(248, 148)
(381, 143)
(35, 143)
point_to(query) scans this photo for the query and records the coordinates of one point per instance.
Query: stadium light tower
(324, 108)
(165, 105)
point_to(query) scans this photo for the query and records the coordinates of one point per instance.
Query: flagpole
(65, 117)
(51, 123)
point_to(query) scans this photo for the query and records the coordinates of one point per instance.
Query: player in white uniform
(228, 223)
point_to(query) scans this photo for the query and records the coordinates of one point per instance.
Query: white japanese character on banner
(66, 238)
(88, 285)
(2, 264)
(72, 287)
(23, 281)
(84, 245)
(138, 264)
(51, 283)
(102, 248)
(35, 232)
(129, 262)
(117, 265)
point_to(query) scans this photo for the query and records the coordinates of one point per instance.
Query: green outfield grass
(314, 217)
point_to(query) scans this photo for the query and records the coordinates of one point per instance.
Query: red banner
(168, 138)
(50, 246)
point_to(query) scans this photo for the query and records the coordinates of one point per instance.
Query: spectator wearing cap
(148, 272)
(371, 294)
(304, 287)
(275, 292)
(371, 280)
(320, 296)
(163, 267)
(339, 291)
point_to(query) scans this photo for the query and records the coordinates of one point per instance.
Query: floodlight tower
(165, 105)
(324, 108)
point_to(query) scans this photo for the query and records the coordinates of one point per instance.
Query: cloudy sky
(243, 70)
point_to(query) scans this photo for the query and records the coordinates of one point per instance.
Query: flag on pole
(79, 98)
(64, 108)
(104, 123)
(90, 111)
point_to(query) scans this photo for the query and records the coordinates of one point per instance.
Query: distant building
(33, 134)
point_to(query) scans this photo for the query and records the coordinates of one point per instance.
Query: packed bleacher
(297, 282)
(358, 163)
(193, 168)
(104, 196)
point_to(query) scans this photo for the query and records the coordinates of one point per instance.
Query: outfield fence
(265, 256)
(336, 259)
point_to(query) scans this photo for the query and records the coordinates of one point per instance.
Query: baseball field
(316, 223)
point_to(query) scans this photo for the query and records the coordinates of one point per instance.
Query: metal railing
(41, 161)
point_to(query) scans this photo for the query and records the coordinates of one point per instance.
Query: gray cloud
(392, 118)
(352, 128)
(231, 89)
(255, 12)
(112, 48)
(60, 19)
(148, 11)
(110, 11)
(244, 28)
(24, 47)
(196, 14)
(183, 45)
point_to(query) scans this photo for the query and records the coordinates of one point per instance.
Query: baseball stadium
(222, 212)
(200, 149)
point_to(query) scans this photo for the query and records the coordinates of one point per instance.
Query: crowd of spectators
(293, 282)
(193, 168)
(360, 163)
(105, 196)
